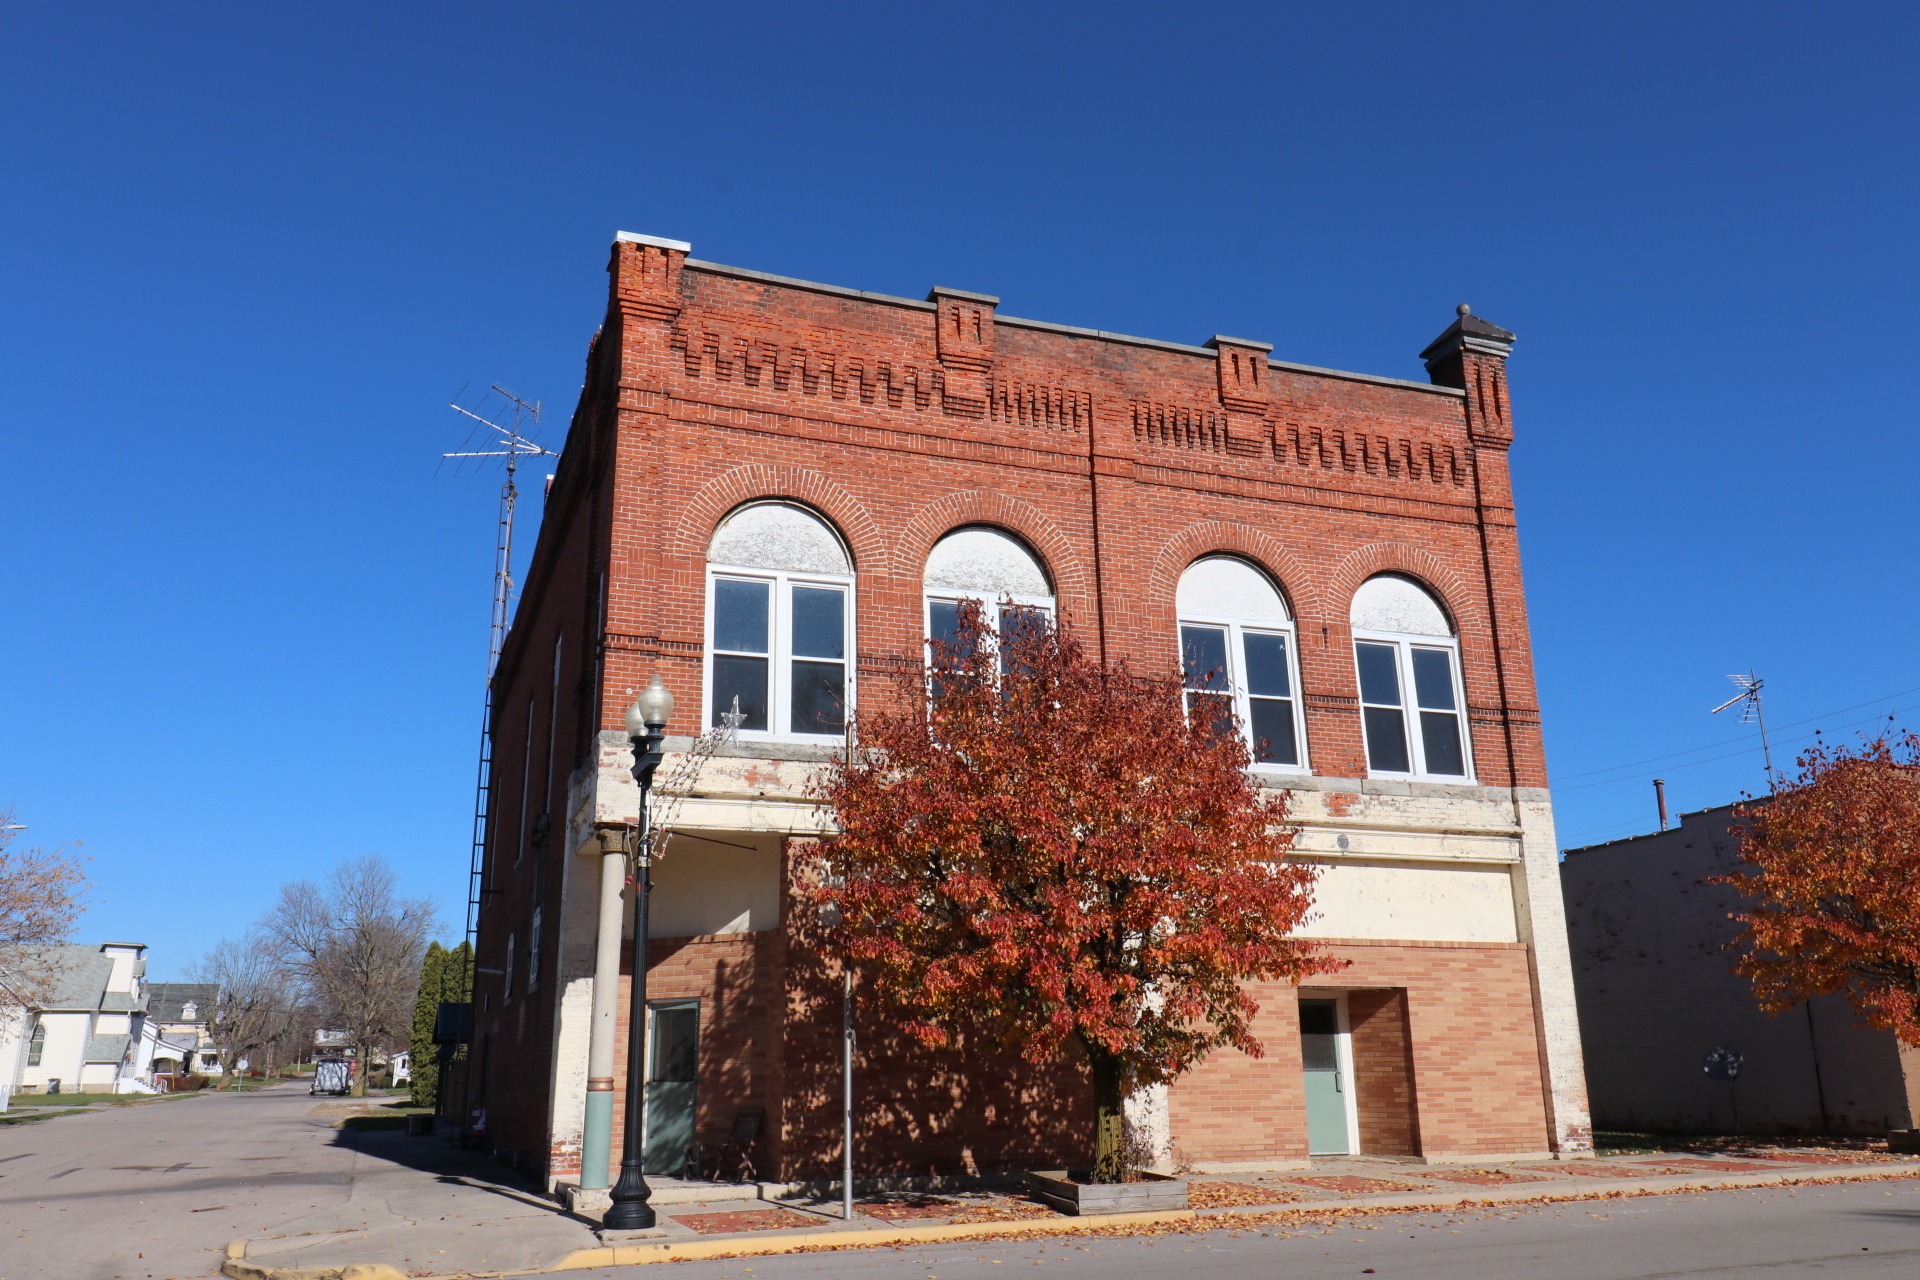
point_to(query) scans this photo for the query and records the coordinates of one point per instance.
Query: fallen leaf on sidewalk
(1353, 1184)
(1229, 1195)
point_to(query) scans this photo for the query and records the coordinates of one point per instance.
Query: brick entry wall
(1383, 1073)
(1451, 1024)
(1471, 1037)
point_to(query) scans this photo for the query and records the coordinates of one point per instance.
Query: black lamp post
(646, 726)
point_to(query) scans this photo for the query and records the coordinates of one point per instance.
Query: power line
(1714, 745)
(1635, 777)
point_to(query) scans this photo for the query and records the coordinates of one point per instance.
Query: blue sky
(250, 252)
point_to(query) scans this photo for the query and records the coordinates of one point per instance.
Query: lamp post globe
(646, 722)
(651, 710)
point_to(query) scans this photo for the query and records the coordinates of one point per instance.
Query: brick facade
(1118, 461)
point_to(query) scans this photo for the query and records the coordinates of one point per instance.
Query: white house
(87, 1032)
(179, 1012)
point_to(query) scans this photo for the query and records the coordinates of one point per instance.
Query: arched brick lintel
(1071, 582)
(763, 482)
(1219, 537)
(1456, 594)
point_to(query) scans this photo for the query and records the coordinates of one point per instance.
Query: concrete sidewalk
(433, 1211)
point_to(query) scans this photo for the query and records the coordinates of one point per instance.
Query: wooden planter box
(1156, 1191)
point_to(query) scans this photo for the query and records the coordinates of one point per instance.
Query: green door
(1327, 1133)
(673, 1073)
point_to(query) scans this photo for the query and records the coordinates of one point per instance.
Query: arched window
(991, 568)
(779, 619)
(37, 1044)
(1237, 648)
(1410, 692)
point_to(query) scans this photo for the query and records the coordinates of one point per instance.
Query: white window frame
(1236, 680)
(990, 605)
(780, 650)
(1404, 645)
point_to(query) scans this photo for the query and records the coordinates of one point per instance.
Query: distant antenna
(1751, 712)
(512, 443)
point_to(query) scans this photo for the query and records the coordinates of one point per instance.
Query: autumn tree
(42, 892)
(1832, 906)
(356, 946)
(1048, 849)
(254, 1002)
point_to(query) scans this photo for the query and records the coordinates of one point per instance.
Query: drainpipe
(596, 1135)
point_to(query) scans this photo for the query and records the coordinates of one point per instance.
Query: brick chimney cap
(1468, 330)
(1219, 338)
(658, 242)
(940, 291)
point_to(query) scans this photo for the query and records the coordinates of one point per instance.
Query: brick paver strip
(1483, 1177)
(1357, 1186)
(713, 1224)
(1825, 1157)
(1721, 1166)
(1588, 1169)
(918, 1208)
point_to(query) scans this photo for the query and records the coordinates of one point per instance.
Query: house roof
(107, 1048)
(167, 1001)
(76, 977)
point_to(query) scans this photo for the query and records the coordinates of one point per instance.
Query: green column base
(596, 1142)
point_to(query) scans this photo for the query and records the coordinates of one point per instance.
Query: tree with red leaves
(1049, 850)
(1833, 902)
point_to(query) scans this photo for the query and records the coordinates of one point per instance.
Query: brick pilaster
(964, 343)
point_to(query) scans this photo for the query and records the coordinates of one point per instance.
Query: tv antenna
(1751, 712)
(502, 431)
(511, 443)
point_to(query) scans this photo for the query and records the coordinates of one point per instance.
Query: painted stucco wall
(1656, 993)
(1414, 902)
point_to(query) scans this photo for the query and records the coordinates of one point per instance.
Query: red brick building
(773, 489)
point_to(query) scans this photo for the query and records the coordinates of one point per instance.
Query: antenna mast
(512, 444)
(1751, 712)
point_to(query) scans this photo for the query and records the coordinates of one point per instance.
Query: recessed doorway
(1326, 1059)
(673, 1075)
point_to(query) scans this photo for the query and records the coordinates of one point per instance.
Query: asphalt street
(158, 1190)
(1860, 1230)
(155, 1193)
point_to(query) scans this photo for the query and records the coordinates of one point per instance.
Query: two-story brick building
(773, 491)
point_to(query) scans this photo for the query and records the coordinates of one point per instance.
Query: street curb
(689, 1250)
(238, 1268)
(1587, 1189)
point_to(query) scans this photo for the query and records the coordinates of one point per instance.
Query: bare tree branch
(41, 894)
(355, 944)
